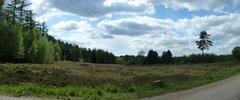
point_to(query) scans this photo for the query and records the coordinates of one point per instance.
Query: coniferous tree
(204, 41)
(16, 10)
(57, 53)
(152, 57)
(1, 2)
(11, 10)
(44, 54)
(29, 40)
(29, 22)
(236, 52)
(12, 35)
(22, 9)
(167, 57)
(1, 12)
(32, 54)
(94, 56)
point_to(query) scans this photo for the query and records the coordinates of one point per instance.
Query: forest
(35, 65)
(23, 39)
(28, 41)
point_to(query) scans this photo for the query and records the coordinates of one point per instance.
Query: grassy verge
(67, 80)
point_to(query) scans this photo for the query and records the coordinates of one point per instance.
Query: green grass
(69, 80)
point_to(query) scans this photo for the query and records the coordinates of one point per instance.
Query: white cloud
(88, 8)
(192, 5)
(179, 36)
(128, 34)
(136, 26)
(72, 25)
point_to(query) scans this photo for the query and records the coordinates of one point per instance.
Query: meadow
(85, 81)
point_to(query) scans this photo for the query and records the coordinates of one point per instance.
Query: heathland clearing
(107, 81)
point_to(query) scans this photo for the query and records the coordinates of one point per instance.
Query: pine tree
(1, 12)
(1, 3)
(16, 10)
(13, 36)
(18, 41)
(30, 39)
(22, 10)
(51, 52)
(43, 50)
(236, 52)
(204, 42)
(33, 52)
(29, 22)
(94, 56)
(167, 57)
(152, 57)
(57, 52)
(11, 10)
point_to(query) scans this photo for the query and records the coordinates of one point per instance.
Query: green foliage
(152, 57)
(57, 52)
(33, 52)
(72, 52)
(28, 40)
(109, 82)
(22, 40)
(141, 60)
(198, 58)
(94, 56)
(45, 51)
(120, 60)
(236, 52)
(30, 44)
(11, 42)
(204, 41)
(167, 57)
(127, 60)
(1, 3)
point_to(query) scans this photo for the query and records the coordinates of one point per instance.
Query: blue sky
(127, 26)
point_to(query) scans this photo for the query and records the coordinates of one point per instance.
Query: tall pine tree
(12, 35)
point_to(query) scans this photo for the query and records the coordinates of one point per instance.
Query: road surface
(228, 89)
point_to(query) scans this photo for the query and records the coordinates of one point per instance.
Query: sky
(125, 27)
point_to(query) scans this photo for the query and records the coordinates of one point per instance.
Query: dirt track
(228, 89)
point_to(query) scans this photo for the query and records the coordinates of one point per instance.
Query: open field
(72, 80)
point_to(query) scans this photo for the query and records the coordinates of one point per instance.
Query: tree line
(151, 58)
(167, 57)
(72, 52)
(24, 39)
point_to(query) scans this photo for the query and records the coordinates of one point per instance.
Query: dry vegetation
(98, 81)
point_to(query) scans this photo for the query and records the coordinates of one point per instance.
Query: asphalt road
(228, 89)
